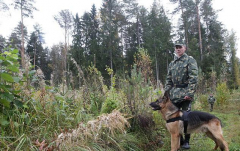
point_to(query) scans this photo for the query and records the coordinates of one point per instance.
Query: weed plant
(34, 116)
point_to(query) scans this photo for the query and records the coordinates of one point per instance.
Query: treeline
(110, 37)
(115, 64)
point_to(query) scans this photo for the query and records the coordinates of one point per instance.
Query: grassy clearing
(230, 117)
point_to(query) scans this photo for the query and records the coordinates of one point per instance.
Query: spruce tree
(15, 39)
(111, 15)
(231, 49)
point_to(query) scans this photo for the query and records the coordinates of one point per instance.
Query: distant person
(211, 101)
(182, 78)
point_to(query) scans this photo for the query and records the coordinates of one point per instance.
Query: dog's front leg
(175, 141)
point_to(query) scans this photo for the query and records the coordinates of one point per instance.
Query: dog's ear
(166, 94)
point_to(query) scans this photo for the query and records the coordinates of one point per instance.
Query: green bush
(201, 102)
(96, 103)
(9, 68)
(111, 102)
(222, 94)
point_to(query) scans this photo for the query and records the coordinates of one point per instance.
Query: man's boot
(186, 142)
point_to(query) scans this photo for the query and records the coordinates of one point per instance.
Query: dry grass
(108, 124)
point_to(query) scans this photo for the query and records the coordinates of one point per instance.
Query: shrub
(9, 68)
(200, 102)
(111, 102)
(222, 93)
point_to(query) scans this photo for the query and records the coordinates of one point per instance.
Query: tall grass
(47, 114)
(91, 117)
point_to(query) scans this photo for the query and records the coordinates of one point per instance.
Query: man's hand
(187, 98)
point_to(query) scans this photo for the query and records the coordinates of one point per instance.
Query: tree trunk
(65, 59)
(122, 40)
(138, 37)
(111, 49)
(22, 48)
(156, 64)
(199, 32)
(185, 25)
(34, 57)
(111, 62)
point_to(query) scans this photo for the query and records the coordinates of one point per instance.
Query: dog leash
(189, 106)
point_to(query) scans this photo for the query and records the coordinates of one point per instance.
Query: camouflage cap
(179, 43)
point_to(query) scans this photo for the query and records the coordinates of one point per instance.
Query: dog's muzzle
(155, 106)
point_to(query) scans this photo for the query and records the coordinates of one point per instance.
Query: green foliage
(234, 80)
(36, 52)
(112, 97)
(203, 100)
(97, 90)
(9, 67)
(111, 102)
(44, 111)
(96, 103)
(222, 94)
(111, 51)
(138, 87)
(137, 91)
(143, 64)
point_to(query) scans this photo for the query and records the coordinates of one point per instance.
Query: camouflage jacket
(211, 99)
(182, 78)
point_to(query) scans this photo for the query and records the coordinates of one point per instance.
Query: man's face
(179, 50)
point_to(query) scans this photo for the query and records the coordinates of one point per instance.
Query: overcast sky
(54, 34)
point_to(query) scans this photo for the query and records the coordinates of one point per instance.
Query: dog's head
(161, 102)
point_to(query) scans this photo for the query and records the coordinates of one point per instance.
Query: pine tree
(234, 67)
(199, 29)
(94, 39)
(26, 7)
(158, 39)
(15, 39)
(86, 42)
(131, 33)
(56, 59)
(214, 40)
(65, 21)
(34, 47)
(77, 49)
(182, 7)
(111, 15)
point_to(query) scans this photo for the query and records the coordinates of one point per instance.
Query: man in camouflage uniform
(211, 101)
(181, 82)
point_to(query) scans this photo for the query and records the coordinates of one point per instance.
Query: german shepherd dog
(197, 122)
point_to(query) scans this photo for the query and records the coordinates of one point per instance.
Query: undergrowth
(35, 116)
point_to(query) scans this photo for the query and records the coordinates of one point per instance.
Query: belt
(180, 85)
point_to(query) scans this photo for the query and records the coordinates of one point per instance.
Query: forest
(93, 93)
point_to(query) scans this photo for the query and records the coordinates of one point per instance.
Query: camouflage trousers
(211, 106)
(184, 105)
